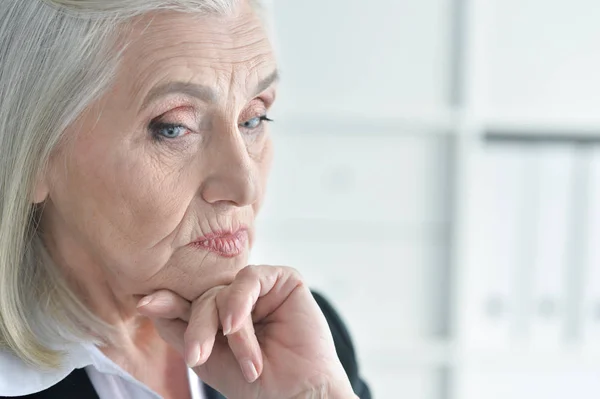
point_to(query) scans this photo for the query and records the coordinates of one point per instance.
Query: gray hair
(56, 58)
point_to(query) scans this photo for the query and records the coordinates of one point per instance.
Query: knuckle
(249, 272)
(294, 274)
(208, 296)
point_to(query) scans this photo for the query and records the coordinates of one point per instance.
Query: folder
(497, 239)
(590, 314)
(551, 256)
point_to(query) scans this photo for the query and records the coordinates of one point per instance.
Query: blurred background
(437, 177)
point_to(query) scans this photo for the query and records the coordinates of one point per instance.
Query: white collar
(17, 378)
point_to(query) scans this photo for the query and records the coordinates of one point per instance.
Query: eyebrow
(264, 84)
(201, 92)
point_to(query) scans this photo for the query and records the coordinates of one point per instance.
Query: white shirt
(109, 380)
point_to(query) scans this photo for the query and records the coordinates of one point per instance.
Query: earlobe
(40, 191)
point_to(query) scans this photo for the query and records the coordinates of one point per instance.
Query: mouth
(227, 244)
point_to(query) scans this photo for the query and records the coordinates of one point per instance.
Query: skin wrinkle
(121, 206)
(226, 37)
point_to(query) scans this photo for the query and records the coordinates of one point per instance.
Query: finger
(165, 304)
(244, 346)
(202, 328)
(270, 283)
(172, 331)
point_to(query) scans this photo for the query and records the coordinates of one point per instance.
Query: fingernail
(193, 355)
(145, 301)
(227, 325)
(249, 371)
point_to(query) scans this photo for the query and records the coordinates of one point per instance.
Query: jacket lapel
(75, 385)
(78, 385)
(210, 393)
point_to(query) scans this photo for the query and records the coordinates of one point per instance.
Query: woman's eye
(167, 130)
(255, 122)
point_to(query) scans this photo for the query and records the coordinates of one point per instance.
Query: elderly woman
(134, 153)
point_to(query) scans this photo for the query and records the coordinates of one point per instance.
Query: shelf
(441, 124)
(434, 123)
(543, 126)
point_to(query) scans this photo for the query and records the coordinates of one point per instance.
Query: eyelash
(261, 119)
(155, 127)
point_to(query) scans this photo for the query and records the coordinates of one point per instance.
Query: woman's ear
(40, 191)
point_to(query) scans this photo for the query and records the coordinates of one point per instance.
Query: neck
(135, 344)
(132, 332)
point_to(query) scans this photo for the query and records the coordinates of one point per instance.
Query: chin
(192, 273)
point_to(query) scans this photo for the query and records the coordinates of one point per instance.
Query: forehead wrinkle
(158, 50)
(243, 28)
(223, 31)
(246, 72)
(171, 57)
(259, 44)
(154, 73)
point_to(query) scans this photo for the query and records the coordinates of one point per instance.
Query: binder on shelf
(590, 314)
(497, 244)
(550, 256)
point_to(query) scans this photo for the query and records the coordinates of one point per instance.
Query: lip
(227, 244)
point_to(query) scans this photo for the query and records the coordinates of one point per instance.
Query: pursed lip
(227, 244)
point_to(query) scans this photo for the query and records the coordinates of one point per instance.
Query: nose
(232, 177)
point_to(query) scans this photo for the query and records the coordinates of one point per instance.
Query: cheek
(267, 160)
(264, 162)
(152, 201)
(124, 205)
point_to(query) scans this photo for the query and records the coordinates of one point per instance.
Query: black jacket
(78, 386)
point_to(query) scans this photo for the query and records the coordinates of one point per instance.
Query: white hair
(56, 58)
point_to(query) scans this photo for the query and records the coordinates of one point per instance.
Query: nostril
(231, 189)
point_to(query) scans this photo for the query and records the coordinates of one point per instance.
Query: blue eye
(167, 130)
(255, 122)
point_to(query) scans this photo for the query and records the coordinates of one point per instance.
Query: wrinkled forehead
(226, 52)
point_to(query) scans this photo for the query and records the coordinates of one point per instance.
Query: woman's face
(162, 180)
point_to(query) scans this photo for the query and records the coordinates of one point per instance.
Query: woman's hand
(275, 342)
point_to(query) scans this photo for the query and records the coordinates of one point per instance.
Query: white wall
(543, 58)
(363, 59)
